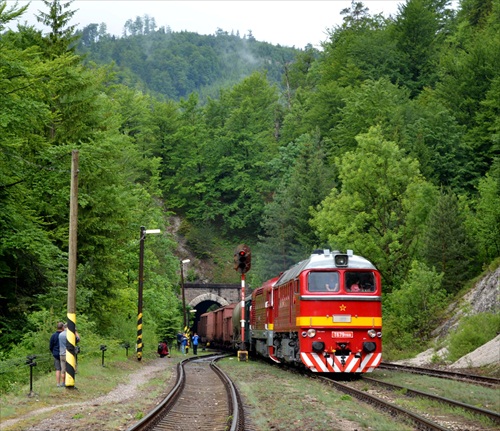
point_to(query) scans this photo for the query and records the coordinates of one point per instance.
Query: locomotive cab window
(323, 282)
(359, 282)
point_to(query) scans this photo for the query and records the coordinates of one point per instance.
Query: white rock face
(487, 354)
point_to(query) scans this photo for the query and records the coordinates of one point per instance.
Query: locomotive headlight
(379, 334)
(311, 333)
(372, 333)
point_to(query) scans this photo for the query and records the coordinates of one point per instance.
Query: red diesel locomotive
(325, 313)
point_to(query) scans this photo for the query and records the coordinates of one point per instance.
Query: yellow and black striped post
(71, 351)
(139, 300)
(69, 379)
(139, 336)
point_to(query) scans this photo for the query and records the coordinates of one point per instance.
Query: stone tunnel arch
(201, 304)
(202, 296)
(208, 297)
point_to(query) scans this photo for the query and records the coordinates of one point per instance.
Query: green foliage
(42, 121)
(413, 309)
(372, 103)
(361, 49)
(418, 34)
(484, 222)
(365, 132)
(446, 245)
(61, 34)
(380, 208)
(306, 179)
(7, 15)
(472, 332)
(167, 329)
(469, 82)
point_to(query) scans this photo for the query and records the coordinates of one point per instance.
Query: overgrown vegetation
(385, 142)
(472, 332)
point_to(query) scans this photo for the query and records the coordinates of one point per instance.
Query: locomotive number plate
(342, 318)
(342, 334)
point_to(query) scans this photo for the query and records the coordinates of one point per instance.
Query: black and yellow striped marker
(70, 351)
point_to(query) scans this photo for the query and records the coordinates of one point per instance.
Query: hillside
(176, 64)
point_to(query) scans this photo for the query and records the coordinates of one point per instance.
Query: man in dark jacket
(54, 349)
(179, 341)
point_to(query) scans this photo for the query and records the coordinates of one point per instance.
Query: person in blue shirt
(62, 352)
(184, 342)
(196, 339)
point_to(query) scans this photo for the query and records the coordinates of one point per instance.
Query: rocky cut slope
(484, 297)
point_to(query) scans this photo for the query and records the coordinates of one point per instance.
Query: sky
(287, 23)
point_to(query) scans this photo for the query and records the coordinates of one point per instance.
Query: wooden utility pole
(71, 311)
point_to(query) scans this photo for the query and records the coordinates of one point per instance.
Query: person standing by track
(54, 349)
(184, 342)
(62, 352)
(196, 339)
(179, 341)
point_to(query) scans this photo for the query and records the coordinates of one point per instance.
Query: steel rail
(420, 422)
(495, 417)
(157, 414)
(445, 374)
(237, 423)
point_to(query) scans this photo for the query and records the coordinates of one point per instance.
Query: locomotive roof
(325, 260)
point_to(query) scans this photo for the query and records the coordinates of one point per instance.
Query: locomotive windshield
(359, 282)
(323, 282)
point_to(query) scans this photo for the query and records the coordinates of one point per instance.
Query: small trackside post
(103, 349)
(30, 361)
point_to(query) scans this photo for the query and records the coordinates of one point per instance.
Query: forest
(386, 141)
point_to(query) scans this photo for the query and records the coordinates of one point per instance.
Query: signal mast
(242, 264)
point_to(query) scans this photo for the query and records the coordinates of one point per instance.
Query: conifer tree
(61, 37)
(446, 246)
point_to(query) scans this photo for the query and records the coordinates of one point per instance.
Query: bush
(472, 332)
(412, 310)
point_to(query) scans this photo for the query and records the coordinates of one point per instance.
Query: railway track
(203, 398)
(479, 412)
(420, 422)
(444, 374)
(433, 419)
